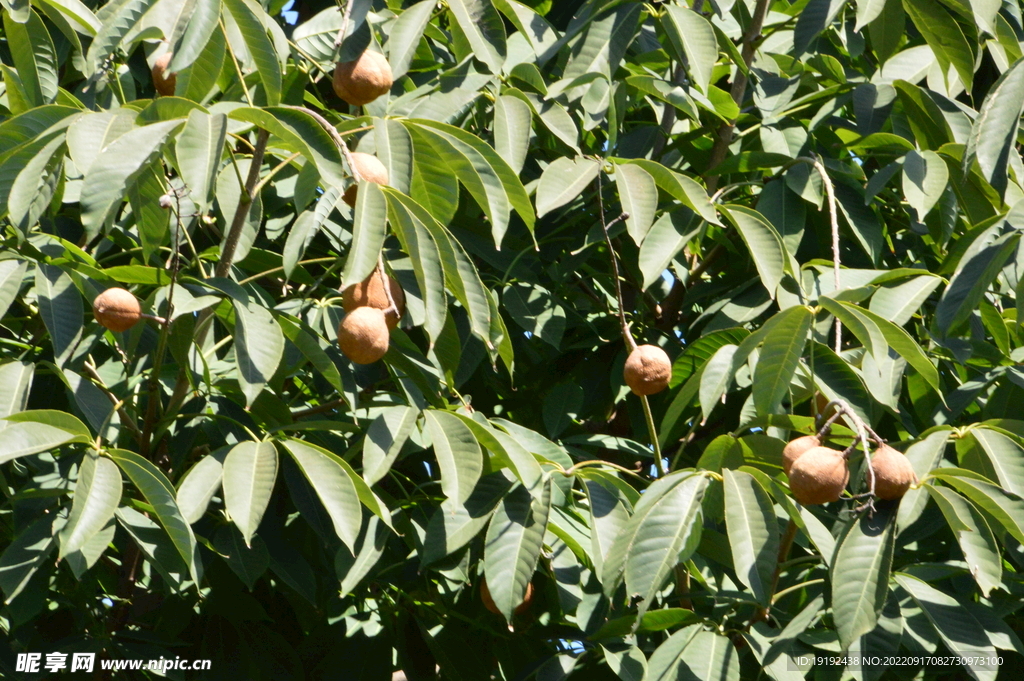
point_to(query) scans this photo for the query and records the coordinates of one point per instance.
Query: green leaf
(97, 495)
(816, 16)
(416, 240)
(394, 149)
(157, 490)
(158, 548)
(248, 562)
(971, 282)
(254, 33)
(15, 384)
(259, 345)
(715, 379)
(351, 569)
(868, 11)
(859, 572)
(972, 532)
(1006, 455)
(117, 165)
(90, 133)
(563, 180)
(944, 36)
(60, 306)
(77, 12)
(693, 41)
(483, 27)
(680, 187)
(514, 540)
(119, 18)
(197, 81)
(333, 485)
(152, 222)
(12, 277)
(510, 452)
(994, 133)
(369, 227)
(490, 180)
(956, 626)
(691, 654)
(385, 438)
(753, 532)
(302, 133)
(603, 43)
(512, 128)
(249, 474)
(1006, 508)
(535, 309)
(899, 303)
(33, 188)
(780, 356)
(199, 150)
(924, 180)
(639, 196)
(200, 483)
(34, 57)
(667, 237)
(454, 524)
(192, 33)
(903, 343)
(764, 243)
(458, 454)
(666, 533)
(25, 554)
(405, 35)
(609, 512)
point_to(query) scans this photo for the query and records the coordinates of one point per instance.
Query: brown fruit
(893, 473)
(163, 82)
(647, 370)
(370, 293)
(796, 448)
(363, 335)
(116, 309)
(363, 80)
(370, 169)
(485, 596)
(819, 476)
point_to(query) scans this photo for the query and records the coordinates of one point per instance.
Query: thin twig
(118, 404)
(345, 18)
(834, 222)
(626, 335)
(392, 307)
(862, 438)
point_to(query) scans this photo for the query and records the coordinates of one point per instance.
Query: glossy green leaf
(693, 41)
(483, 27)
(34, 57)
(562, 181)
(924, 180)
(195, 27)
(200, 483)
(974, 536)
(454, 524)
(405, 36)
(369, 227)
(249, 474)
(199, 150)
(764, 243)
(513, 544)
(97, 495)
(334, 486)
(248, 17)
(639, 197)
(384, 440)
(944, 36)
(157, 490)
(753, 532)
(61, 308)
(259, 345)
(779, 358)
(118, 21)
(15, 384)
(971, 281)
(458, 454)
(994, 132)
(512, 128)
(859, 573)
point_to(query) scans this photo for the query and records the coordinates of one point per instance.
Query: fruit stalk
(861, 439)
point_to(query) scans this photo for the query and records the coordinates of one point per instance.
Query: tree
(812, 208)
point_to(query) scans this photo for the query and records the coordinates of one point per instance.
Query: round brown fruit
(819, 476)
(485, 596)
(795, 448)
(647, 370)
(893, 473)
(370, 169)
(363, 335)
(363, 80)
(370, 293)
(116, 309)
(162, 81)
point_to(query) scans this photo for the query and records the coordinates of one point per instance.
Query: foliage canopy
(803, 204)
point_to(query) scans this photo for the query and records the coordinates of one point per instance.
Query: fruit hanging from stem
(647, 370)
(893, 473)
(819, 476)
(363, 80)
(370, 169)
(116, 309)
(363, 335)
